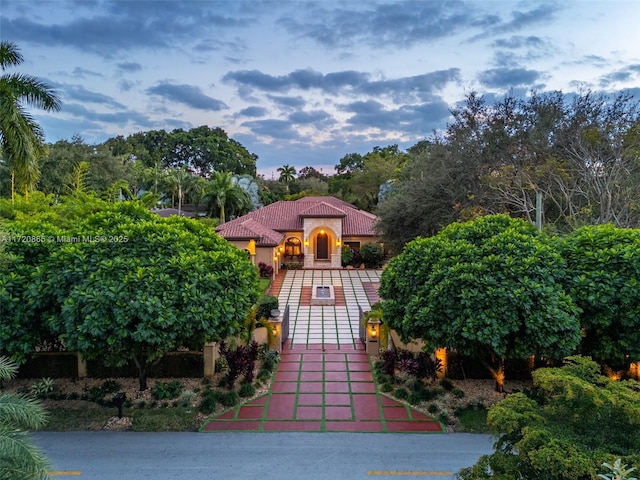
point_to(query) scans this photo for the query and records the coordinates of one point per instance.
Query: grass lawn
(263, 284)
(93, 417)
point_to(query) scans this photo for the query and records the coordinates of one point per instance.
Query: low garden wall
(65, 365)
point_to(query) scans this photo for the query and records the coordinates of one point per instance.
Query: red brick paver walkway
(326, 386)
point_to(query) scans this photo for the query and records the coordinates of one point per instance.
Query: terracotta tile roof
(250, 229)
(322, 209)
(283, 216)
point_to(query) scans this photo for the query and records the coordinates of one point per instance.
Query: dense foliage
(603, 271)
(572, 422)
(490, 288)
(124, 285)
(579, 151)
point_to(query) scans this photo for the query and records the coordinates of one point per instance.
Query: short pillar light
(276, 328)
(373, 336)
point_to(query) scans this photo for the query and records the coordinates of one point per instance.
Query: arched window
(292, 247)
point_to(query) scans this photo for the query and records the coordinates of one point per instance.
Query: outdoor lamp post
(373, 336)
(276, 326)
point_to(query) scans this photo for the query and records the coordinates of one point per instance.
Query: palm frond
(8, 368)
(20, 412)
(28, 89)
(10, 56)
(19, 459)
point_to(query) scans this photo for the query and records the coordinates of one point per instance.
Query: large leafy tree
(19, 458)
(201, 150)
(21, 138)
(136, 286)
(603, 272)
(34, 230)
(573, 420)
(427, 195)
(580, 152)
(489, 288)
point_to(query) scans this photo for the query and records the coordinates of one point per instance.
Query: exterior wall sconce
(306, 242)
(282, 248)
(338, 243)
(321, 232)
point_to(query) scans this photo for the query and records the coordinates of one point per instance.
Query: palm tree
(21, 138)
(223, 191)
(287, 175)
(19, 459)
(180, 180)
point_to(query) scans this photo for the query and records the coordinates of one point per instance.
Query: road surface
(264, 456)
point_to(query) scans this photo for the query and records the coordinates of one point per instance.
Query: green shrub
(167, 390)
(265, 304)
(386, 387)
(293, 265)
(228, 399)
(247, 390)
(263, 375)
(447, 385)
(416, 397)
(457, 393)
(401, 393)
(208, 402)
(433, 408)
(346, 256)
(42, 388)
(372, 255)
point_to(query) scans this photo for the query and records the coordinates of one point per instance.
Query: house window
(292, 247)
(355, 246)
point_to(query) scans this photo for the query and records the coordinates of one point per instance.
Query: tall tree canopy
(21, 138)
(581, 152)
(490, 288)
(201, 150)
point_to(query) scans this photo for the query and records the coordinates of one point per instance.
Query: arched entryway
(322, 246)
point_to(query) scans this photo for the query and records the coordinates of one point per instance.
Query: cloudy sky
(304, 83)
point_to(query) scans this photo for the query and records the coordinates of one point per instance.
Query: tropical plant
(19, 458)
(617, 471)
(287, 175)
(224, 194)
(180, 181)
(21, 138)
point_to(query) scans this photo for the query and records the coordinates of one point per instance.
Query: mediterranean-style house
(310, 230)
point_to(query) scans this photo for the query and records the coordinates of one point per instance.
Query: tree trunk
(141, 364)
(497, 371)
(498, 376)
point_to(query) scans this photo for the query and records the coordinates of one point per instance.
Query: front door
(322, 246)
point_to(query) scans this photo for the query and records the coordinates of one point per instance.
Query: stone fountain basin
(323, 295)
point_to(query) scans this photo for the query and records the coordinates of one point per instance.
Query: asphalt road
(264, 456)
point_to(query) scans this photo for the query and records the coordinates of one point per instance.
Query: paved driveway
(324, 381)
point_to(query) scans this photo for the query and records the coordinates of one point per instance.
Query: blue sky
(304, 83)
